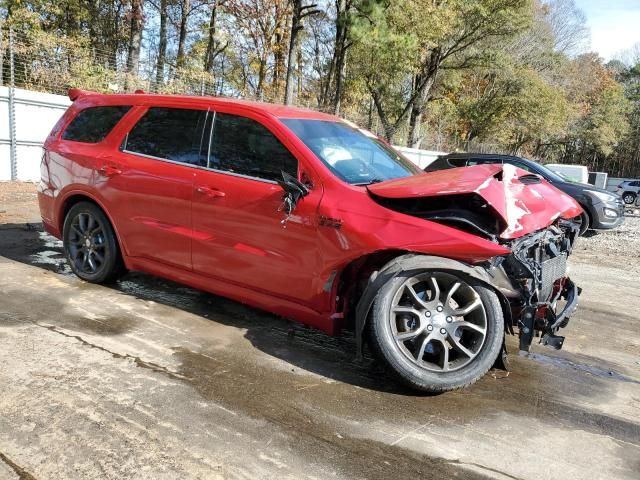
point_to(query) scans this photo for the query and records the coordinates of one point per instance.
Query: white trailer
(577, 173)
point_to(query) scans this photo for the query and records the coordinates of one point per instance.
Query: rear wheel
(90, 244)
(437, 331)
(628, 197)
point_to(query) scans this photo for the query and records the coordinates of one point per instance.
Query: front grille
(552, 270)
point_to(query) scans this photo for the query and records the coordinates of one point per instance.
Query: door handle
(210, 192)
(109, 171)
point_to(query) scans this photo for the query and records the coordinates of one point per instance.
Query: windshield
(549, 174)
(349, 154)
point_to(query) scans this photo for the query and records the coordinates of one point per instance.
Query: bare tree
(300, 11)
(569, 26)
(182, 31)
(214, 46)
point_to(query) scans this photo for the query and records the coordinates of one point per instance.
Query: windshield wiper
(372, 181)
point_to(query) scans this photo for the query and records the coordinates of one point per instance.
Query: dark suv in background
(602, 209)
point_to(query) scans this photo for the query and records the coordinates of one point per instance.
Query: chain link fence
(39, 61)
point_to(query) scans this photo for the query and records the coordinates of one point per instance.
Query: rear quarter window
(93, 124)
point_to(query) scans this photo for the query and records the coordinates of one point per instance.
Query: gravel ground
(18, 203)
(616, 248)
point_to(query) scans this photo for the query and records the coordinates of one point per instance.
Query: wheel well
(631, 192)
(354, 277)
(588, 213)
(70, 202)
(74, 200)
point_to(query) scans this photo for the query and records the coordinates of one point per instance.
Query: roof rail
(75, 93)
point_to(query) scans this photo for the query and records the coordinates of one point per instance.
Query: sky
(615, 24)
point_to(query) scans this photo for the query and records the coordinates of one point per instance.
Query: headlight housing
(603, 196)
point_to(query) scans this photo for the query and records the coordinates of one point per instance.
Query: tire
(585, 222)
(419, 361)
(90, 244)
(629, 198)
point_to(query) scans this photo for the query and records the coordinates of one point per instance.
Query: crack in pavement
(483, 467)
(21, 472)
(137, 360)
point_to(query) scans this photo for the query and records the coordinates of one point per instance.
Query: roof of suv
(479, 155)
(280, 111)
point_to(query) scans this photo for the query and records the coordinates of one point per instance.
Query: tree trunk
(162, 45)
(212, 47)
(423, 83)
(182, 35)
(300, 66)
(135, 38)
(340, 52)
(296, 26)
(341, 67)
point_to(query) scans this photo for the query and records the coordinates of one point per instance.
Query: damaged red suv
(300, 214)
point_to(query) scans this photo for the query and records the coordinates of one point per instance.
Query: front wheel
(584, 222)
(90, 244)
(437, 331)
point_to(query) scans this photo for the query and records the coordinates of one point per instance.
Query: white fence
(26, 118)
(420, 157)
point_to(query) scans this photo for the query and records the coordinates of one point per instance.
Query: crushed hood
(524, 203)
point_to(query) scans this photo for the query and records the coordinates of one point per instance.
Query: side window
(173, 134)
(457, 162)
(93, 124)
(483, 161)
(241, 145)
(524, 167)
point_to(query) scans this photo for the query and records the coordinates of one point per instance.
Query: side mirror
(294, 190)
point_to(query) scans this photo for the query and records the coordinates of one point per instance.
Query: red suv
(298, 213)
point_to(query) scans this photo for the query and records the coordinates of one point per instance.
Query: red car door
(153, 182)
(239, 234)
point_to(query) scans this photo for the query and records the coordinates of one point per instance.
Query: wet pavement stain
(565, 363)
(210, 377)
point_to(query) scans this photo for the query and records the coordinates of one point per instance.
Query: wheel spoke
(414, 296)
(99, 257)
(455, 343)
(451, 291)
(423, 347)
(468, 308)
(402, 309)
(435, 288)
(76, 230)
(82, 222)
(91, 222)
(404, 336)
(91, 262)
(468, 325)
(85, 260)
(445, 356)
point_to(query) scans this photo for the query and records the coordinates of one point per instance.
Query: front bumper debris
(543, 297)
(543, 319)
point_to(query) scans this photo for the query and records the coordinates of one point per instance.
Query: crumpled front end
(534, 279)
(513, 209)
